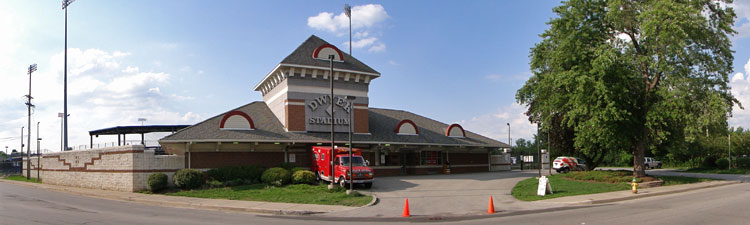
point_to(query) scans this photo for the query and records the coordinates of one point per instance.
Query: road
(721, 205)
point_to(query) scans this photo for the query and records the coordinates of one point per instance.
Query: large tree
(632, 74)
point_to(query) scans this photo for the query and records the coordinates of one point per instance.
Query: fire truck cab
(361, 173)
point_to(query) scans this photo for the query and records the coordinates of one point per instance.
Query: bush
(303, 177)
(215, 184)
(295, 169)
(224, 174)
(722, 163)
(709, 162)
(188, 179)
(743, 163)
(276, 176)
(287, 165)
(157, 182)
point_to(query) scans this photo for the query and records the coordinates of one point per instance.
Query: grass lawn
(718, 171)
(589, 182)
(298, 193)
(21, 178)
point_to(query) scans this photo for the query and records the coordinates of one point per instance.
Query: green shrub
(743, 163)
(709, 162)
(295, 169)
(157, 182)
(287, 165)
(276, 176)
(224, 174)
(722, 163)
(215, 184)
(188, 179)
(303, 177)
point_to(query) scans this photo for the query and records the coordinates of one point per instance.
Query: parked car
(564, 164)
(651, 163)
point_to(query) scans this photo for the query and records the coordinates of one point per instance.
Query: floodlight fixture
(66, 3)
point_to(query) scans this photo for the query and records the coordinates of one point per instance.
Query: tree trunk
(640, 149)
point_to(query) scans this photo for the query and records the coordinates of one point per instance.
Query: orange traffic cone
(491, 206)
(406, 209)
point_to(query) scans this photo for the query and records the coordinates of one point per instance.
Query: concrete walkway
(617, 196)
(196, 203)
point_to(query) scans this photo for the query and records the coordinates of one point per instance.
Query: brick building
(295, 115)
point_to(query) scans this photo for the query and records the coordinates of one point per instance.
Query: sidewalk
(196, 203)
(628, 195)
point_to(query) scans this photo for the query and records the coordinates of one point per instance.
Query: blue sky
(181, 62)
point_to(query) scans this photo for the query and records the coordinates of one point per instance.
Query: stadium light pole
(351, 147)
(333, 140)
(65, 4)
(348, 12)
(32, 68)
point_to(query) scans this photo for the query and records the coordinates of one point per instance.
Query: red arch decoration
(237, 113)
(398, 127)
(319, 48)
(448, 130)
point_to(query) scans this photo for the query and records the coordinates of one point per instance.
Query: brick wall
(123, 168)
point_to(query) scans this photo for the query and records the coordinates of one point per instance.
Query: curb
(176, 204)
(645, 195)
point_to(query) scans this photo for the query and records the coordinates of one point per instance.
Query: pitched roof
(382, 123)
(303, 56)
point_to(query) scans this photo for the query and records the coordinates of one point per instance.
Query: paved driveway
(455, 194)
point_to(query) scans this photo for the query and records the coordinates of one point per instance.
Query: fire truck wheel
(368, 185)
(342, 182)
(317, 177)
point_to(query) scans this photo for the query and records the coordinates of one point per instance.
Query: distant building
(295, 115)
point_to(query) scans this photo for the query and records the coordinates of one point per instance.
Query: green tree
(636, 75)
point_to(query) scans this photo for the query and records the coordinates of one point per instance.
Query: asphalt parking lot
(444, 195)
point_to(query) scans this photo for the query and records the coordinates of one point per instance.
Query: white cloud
(742, 25)
(365, 18)
(101, 93)
(380, 47)
(494, 125)
(741, 90)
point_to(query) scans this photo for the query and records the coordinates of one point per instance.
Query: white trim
(294, 103)
(407, 134)
(346, 76)
(235, 129)
(314, 74)
(327, 68)
(302, 74)
(361, 107)
(325, 90)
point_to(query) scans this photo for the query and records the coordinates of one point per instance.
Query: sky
(181, 62)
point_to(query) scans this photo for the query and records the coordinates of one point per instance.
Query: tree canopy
(631, 75)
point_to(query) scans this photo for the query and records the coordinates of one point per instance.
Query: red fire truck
(362, 174)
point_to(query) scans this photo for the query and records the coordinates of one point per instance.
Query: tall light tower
(348, 12)
(32, 68)
(141, 120)
(65, 4)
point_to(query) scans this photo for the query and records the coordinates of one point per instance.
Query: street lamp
(32, 68)
(351, 147)
(348, 12)
(65, 4)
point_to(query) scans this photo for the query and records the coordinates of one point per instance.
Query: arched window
(407, 127)
(236, 120)
(455, 130)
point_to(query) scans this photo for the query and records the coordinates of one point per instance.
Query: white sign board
(544, 186)
(292, 158)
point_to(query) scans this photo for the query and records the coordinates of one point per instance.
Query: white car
(651, 163)
(564, 164)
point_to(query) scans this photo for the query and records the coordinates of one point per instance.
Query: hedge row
(232, 176)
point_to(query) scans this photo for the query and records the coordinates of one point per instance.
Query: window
(430, 158)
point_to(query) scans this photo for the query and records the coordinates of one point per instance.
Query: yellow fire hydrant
(635, 186)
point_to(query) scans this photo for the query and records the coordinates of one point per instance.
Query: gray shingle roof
(382, 124)
(303, 56)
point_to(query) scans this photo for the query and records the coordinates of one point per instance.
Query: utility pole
(32, 68)
(65, 4)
